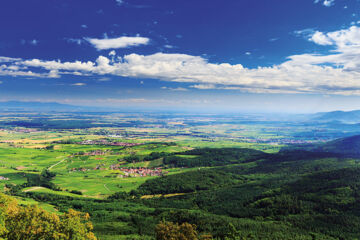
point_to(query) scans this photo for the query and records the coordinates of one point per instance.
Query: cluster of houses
(19, 130)
(4, 178)
(95, 153)
(108, 143)
(141, 172)
(25, 130)
(128, 172)
(82, 169)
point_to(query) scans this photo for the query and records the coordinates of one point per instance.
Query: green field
(219, 174)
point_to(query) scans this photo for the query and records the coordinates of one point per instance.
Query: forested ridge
(230, 193)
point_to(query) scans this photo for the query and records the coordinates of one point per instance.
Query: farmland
(129, 171)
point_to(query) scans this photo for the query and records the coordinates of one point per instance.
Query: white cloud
(9, 59)
(273, 39)
(178, 89)
(84, 26)
(121, 42)
(11, 70)
(104, 79)
(34, 42)
(169, 46)
(320, 38)
(328, 3)
(74, 40)
(300, 74)
(57, 65)
(79, 84)
(306, 33)
(337, 72)
(204, 86)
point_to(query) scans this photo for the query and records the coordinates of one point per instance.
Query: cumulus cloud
(120, 42)
(337, 72)
(326, 3)
(169, 46)
(204, 86)
(79, 84)
(346, 52)
(8, 59)
(320, 38)
(11, 70)
(345, 37)
(178, 89)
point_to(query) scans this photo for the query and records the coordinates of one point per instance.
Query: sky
(202, 55)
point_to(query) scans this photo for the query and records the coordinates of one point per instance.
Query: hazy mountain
(349, 146)
(39, 106)
(344, 116)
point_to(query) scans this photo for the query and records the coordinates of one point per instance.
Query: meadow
(226, 175)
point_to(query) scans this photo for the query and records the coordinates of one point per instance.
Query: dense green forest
(241, 194)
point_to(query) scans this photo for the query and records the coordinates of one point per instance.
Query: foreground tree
(174, 231)
(32, 222)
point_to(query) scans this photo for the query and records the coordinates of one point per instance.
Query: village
(108, 143)
(95, 153)
(127, 172)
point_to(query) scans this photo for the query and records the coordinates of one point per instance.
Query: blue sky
(233, 55)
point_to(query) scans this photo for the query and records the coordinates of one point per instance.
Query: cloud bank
(120, 42)
(337, 72)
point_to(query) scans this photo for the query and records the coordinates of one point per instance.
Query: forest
(134, 183)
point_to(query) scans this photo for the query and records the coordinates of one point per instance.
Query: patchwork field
(131, 171)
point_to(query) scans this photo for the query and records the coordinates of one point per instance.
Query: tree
(75, 225)
(174, 231)
(32, 222)
(8, 205)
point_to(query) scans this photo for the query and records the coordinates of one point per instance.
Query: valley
(234, 177)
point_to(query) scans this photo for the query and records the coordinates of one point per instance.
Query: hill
(342, 147)
(349, 146)
(344, 116)
(39, 106)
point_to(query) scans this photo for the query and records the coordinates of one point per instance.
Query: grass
(29, 201)
(21, 152)
(49, 191)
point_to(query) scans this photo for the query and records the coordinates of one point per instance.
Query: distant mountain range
(39, 106)
(339, 117)
(349, 146)
(344, 116)
(344, 147)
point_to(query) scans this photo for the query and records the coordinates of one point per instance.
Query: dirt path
(106, 188)
(57, 163)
